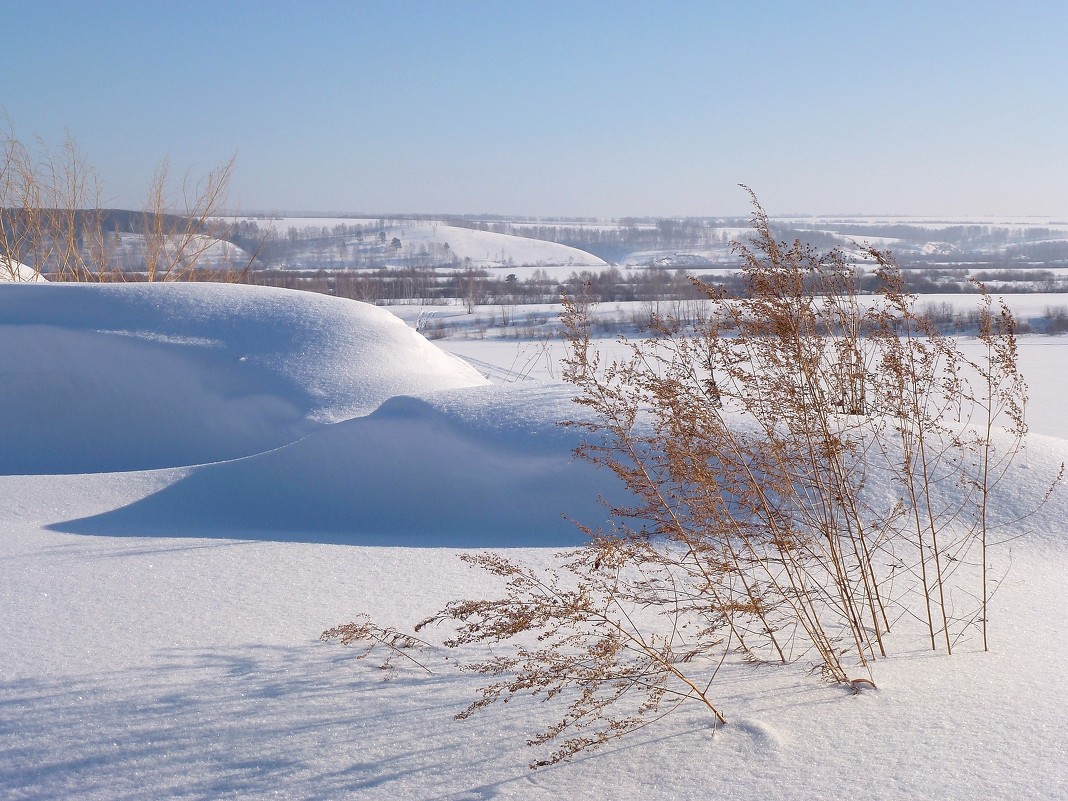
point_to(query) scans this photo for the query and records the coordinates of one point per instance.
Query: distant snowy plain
(197, 480)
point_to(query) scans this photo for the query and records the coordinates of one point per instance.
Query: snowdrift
(474, 468)
(100, 378)
(266, 397)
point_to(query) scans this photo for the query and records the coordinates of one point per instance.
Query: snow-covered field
(197, 480)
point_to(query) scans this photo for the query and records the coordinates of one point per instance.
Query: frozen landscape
(197, 480)
(306, 493)
(473, 241)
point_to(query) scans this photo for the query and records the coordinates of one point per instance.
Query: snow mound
(16, 272)
(101, 378)
(469, 468)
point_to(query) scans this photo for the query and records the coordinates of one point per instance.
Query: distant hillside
(347, 243)
(494, 241)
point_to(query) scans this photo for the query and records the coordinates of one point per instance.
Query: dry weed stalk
(370, 637)
(51, 219)
(594, 634)
(808, 465)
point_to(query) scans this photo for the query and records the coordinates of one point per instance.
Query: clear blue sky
(572, 108)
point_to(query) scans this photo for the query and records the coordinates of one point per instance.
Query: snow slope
(14, 271)
(470, 468)
(443, 243)
(489, 249)
(159, 628)
(138, 376)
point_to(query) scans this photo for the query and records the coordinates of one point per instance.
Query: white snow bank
(17, 272)
(100, 378)
(469, 468)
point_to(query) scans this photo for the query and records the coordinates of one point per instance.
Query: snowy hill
(347, 242)
(139, 376)
(488, 249)
(317, 459)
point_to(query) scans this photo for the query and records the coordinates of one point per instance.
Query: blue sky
(559, 108)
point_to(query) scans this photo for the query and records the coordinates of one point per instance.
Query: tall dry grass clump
(810, 470)
(52, 219)
(46, 210)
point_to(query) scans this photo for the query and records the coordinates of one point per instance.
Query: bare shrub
(46, 198)
(51, 218)
(941, 314)
(176, 223)
(1056, 319)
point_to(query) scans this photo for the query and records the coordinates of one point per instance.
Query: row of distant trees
(479, 286)
(612, 285)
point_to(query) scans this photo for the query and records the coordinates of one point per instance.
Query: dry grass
(53, 222)
(750, 440)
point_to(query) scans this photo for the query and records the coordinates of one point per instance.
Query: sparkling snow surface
(159, 628)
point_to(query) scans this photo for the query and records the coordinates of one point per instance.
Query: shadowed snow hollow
(482, 467)
(99, 378)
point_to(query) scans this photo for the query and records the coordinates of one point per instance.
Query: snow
(464, 469)
(12, 271)
(489, 249)
(314, 458)
(467, 246)
(139, 376)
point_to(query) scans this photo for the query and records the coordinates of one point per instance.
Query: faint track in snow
(497, 373)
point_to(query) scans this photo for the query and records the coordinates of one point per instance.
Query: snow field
(159, 628)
